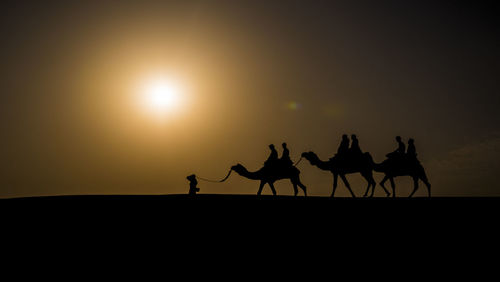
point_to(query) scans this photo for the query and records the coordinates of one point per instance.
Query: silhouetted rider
(400, 151)
(355, 149)
(272, 157)
(344, 146)
(412, 151)
(285, 157)
(401, 146)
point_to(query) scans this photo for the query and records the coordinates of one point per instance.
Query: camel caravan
(349, 159)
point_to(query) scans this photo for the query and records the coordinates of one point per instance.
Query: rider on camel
(343, 149)
(411, 153)
(399, 153)
(285, 157)
(344, 146)
(355, 150)
(273, 157)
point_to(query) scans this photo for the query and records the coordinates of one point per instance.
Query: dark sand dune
(214, 220)
(231, 204)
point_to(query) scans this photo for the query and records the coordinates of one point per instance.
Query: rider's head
(353, 137)
(271, 146)
(411, 141)
(344, 137)
(398, 138)
(284, 145)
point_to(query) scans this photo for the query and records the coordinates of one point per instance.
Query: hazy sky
(254, 73)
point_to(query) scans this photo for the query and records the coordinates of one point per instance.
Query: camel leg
(342, 176)
(426, 182)
(295, 190)
(272, 188)
(367, 189)
(428, 187)
(296, 182)
(393, 186)
(382, 184)
(262, 183)
(303, 187)
(335, 177)
(387, 193)
(369, 179)
(373, 183)
(415, 186)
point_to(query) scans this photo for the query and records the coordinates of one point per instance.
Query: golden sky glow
(130, 97)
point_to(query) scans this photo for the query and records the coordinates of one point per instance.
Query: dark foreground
(219, 219)
(220, 206)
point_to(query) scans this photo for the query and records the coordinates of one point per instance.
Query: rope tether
(216, 181)
(298, 161)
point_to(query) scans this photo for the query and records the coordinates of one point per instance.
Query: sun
(161, 96)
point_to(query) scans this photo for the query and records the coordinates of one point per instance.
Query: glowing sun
(161, 96)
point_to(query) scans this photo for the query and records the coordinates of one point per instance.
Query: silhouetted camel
(270, 174)
(393, 168)
(340, 168)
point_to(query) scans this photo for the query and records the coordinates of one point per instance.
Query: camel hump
(368, 157)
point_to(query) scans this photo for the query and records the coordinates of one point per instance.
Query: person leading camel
(192, 184)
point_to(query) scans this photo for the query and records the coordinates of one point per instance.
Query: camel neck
(255, 175)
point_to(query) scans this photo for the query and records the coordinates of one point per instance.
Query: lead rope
(216, 181)
(298, 161)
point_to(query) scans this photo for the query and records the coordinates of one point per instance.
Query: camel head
(310, 156)
(238, 168)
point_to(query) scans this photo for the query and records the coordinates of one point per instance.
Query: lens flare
(292, 105)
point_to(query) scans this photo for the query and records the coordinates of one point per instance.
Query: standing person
(192, 185)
